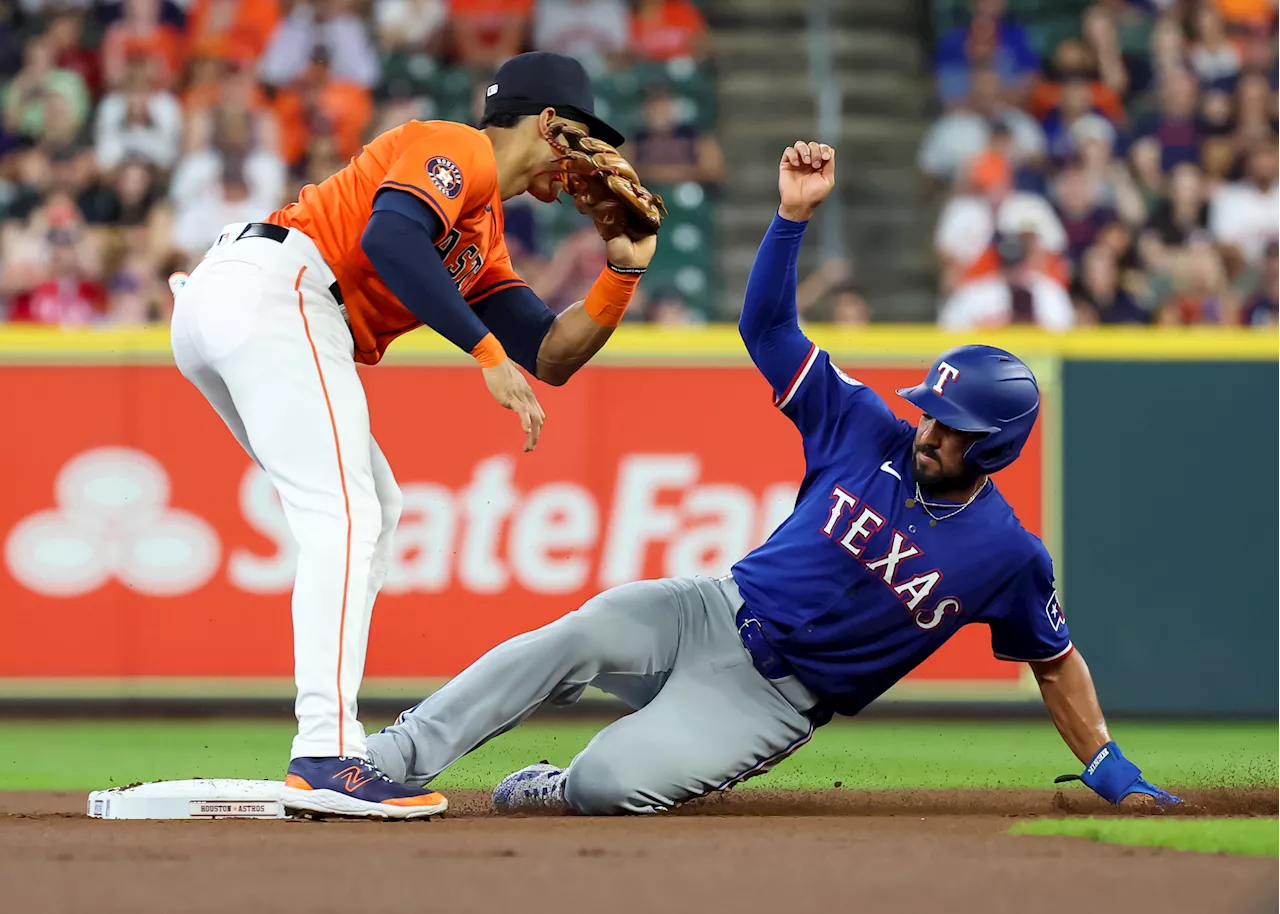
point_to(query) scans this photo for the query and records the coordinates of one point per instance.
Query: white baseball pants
(258, 332)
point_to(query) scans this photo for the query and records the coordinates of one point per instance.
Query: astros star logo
(445, 175)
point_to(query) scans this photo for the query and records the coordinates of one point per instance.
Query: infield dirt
(751, 851)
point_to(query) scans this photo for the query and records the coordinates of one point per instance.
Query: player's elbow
(557, 374)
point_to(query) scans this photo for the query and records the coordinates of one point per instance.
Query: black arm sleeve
(520, 320)
(399, 242)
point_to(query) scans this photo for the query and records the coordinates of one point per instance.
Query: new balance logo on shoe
(351, 778)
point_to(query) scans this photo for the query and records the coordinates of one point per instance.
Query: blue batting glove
(1113, 777)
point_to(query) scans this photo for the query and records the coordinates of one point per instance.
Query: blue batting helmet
(981, 389)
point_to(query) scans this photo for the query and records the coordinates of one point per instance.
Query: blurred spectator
(327, 28)
(125, 199)
(317, 105)
(1016, 294)
(1083, 215)
(208, 195)
(815, 287)
(66, 295)
(65, 36)
(322, 160)
(1168, 48)
(668, 30)
(236, 96)
(829, 293)
(991, 40)
(669, 308)
(26, 99)
(1246, 215)
(138, 121)
(963, 132)
(61, 127)
(1201, 291)
(1175, 218)
(1247, 12)
(411, 24)
(1074, 62)
(1215, 60)
(1103, 41)
(1093, 142)
(1097, 296)
(1262, 308)
(1144, 157)
(132, 292)
(967, 230)
(232, 29)
(1075, 103)
(849, 307)
(487, 32)
(1175, 125)
(1256, 120)
(573, 267)
(593, 31)
(141, 32)
(666, 151)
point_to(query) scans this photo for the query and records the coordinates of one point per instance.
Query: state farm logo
(112, 521)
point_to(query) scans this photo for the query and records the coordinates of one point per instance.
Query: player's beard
(934, 478)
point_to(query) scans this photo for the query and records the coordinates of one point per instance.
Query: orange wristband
(610, 294)
(489, 352)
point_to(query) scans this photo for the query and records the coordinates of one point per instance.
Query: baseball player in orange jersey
(270, 326)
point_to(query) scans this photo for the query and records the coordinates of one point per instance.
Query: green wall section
(1169, 548)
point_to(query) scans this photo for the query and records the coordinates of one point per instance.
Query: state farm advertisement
(139, 540)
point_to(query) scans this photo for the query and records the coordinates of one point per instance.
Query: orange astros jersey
(446, 165)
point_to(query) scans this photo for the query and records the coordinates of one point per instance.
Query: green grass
(84, 755)
(1260, 837)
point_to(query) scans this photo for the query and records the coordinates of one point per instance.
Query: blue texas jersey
(855, 588)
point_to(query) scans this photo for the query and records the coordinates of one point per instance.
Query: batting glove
(1113, 777)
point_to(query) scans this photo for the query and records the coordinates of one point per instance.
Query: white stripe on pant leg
(765, 765)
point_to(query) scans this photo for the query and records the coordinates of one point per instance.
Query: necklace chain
(935, 518)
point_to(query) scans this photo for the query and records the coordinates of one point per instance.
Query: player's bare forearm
(1067, 688)
(574, 338)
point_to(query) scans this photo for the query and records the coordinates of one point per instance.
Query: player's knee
(594, 786)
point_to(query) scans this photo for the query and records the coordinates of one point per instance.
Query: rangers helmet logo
(445, 175)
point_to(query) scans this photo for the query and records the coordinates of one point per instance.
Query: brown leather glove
(605, 187)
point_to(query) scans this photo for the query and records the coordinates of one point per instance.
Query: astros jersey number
(448, 166)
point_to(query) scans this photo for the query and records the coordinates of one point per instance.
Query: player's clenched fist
(806, 175)
(509, 387)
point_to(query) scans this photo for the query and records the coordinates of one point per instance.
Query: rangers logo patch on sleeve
(445, 175)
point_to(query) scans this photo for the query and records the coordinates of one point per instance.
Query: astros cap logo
(445, 175)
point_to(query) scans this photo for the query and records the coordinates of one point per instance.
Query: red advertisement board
(140, 541)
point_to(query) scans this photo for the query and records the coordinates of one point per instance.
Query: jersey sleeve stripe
(1058, 656)
(424, 197)
(473, 297)
(781, 400)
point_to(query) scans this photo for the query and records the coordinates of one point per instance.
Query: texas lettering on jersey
(448, 166)
(912, 589)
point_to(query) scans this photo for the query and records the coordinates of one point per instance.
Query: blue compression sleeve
(769, 324)
(400, 243)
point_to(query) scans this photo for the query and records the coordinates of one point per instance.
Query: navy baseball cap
(527, 83)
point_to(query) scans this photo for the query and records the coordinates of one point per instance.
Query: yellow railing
(720, 343)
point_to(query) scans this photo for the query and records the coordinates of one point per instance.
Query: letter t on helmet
(985, 390)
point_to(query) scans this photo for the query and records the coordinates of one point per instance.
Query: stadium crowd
(1128, 177)
(133, 130)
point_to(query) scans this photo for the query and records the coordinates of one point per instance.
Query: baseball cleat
(538, 787)
(353, 787)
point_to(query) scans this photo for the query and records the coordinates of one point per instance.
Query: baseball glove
(605, 187)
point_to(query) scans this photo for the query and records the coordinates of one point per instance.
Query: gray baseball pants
(704, 718)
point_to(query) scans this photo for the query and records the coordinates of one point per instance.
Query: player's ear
(545, 119)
